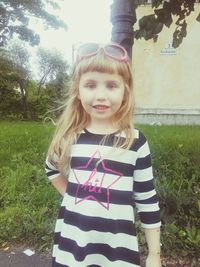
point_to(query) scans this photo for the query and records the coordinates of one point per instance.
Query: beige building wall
(168, 83)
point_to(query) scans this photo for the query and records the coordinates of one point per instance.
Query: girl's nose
(100, 94)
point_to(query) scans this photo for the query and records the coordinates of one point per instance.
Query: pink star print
(94, 188)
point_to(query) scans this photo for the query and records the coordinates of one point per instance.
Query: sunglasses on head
(112, 50)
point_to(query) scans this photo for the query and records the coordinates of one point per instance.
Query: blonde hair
(74, 118)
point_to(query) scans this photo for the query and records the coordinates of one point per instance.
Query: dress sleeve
(144, 192)
(51, 170)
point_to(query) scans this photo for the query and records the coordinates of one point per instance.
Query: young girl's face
(101, 95)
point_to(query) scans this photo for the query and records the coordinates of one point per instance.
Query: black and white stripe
(96, 225)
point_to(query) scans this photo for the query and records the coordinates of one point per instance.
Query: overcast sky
(87, 21)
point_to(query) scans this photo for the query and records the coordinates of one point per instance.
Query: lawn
(29, 204)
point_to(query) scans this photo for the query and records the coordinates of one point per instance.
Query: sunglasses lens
(87, 49)
(115, 51)
(112, 50)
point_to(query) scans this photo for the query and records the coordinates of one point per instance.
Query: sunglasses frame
(124, 58)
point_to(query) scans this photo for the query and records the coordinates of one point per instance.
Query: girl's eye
(112, 85)
(90, 85)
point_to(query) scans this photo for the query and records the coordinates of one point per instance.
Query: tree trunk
(25, 113)
(43, 79)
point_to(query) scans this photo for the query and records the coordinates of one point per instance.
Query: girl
(102, 167)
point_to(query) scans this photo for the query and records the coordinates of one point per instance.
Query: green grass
(29, 204)
(174, 148)
(176, 160)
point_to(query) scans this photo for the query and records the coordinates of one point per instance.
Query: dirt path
(14, 256)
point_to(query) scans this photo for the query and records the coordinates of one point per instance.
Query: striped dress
(96, 222)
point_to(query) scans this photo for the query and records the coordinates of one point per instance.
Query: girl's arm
(146, 201)
(153, 241)
(60, 183)
(55, 177)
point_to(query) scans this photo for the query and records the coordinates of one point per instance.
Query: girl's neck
(102, 128)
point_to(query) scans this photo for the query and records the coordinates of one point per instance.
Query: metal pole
(123, 17)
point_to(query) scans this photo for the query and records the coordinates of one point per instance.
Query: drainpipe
(123, 17)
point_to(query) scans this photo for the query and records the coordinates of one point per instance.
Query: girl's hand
(153, 260)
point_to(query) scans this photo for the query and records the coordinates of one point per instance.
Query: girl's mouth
(101, 107)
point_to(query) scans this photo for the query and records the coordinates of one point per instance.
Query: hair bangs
(102, 63)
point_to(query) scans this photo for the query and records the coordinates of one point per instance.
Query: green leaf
(164, 16)
(156, 3)
(15, 17)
